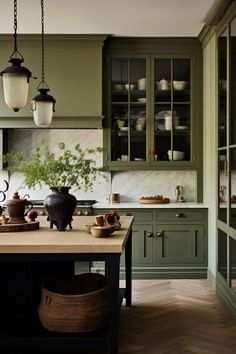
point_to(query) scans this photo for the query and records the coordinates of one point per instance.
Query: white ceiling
(116, 17)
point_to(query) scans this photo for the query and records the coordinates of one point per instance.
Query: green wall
(73, 71)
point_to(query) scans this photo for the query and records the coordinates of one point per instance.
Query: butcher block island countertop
(77, 240)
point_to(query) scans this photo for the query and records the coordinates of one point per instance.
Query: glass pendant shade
(15, 84)
(43, 107)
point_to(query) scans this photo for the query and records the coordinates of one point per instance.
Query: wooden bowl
(88, 228)
(102, 231)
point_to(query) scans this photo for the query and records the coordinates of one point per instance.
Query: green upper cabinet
(152, 104)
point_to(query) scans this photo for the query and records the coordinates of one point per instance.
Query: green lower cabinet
(180, 244)
(142, 246)
(166, 243)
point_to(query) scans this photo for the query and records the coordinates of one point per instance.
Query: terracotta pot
(60, 206)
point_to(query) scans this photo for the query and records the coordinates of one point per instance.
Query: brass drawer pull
(150, 234)
(180, 215)
(160, 234)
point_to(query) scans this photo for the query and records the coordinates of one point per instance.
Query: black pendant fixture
(43, 105)
(16, 77)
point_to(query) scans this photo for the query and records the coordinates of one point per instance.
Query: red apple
(32, 214)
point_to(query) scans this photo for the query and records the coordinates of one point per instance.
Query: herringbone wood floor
(170, 317)
(175, 317)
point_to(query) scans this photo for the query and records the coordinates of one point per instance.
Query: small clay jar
(4, 220)
(16, 209)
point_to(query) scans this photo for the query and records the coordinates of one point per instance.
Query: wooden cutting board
(154, 201)
(33, 225)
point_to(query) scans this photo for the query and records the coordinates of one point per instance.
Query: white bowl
(177, 155)
(118, 86)
(142, 99)
(180, 85)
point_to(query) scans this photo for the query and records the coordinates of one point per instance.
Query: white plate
(125, 129)
(181, 127)
(142, 99)
(118, 86)
(138, 159)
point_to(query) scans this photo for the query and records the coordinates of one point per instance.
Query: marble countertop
(137, 205)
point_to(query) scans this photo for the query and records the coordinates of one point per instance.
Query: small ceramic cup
(124, 157)
(120, 123)
(99, 220)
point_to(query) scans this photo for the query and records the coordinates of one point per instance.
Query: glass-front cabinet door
(227, 155)
(129, 97)
(223, 181)
(172, 109)
(150, 111)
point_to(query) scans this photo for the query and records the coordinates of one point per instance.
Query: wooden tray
(154, 201)
(32, 225)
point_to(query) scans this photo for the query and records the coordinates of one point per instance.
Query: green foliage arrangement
(67, 169)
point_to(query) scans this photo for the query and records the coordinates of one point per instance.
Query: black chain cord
(15, 26)
(43, 83)
(15, 53)
(42, 37)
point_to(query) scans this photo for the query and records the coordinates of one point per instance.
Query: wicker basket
(76, 304)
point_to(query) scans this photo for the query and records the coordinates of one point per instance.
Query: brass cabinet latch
(149, 234)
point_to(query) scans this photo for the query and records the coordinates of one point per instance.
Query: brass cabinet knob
(150, 234)
(180, 215)
(160, 234)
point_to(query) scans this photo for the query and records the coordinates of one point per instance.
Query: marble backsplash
(130, 184)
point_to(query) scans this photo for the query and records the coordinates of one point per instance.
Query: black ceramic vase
(60, 206)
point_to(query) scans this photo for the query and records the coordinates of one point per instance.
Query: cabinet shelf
(128, 102)
(157, 132)
(126, 91)
(31, 334)
(176, 132)
(132, 132)
(174, 102)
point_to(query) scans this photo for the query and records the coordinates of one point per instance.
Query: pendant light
(43, 105)
(15, 77)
